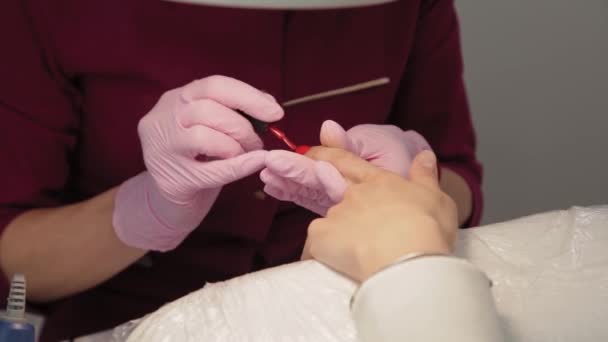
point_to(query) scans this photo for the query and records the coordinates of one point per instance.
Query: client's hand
(382, 217)
(291, 177)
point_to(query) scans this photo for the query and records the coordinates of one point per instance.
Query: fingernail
(428, 159)
(302, 149)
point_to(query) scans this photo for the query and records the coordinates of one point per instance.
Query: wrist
(178, 216)
(144, 219)
(379, 254)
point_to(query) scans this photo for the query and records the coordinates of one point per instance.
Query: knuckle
(411, 135)
(214, 79)
(434, 200)
(331, 212)
(350, 193)
(142, 125)
(197, 111)
(215, 82)
(202, 84)
(315, 227)
(444, 202)
(202, 105)
(449, 203)
(353, 201)
(169, 96)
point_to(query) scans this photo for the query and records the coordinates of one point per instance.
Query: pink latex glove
(317, 186)
(193, 143)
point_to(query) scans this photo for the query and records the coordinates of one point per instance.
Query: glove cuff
(144, 219)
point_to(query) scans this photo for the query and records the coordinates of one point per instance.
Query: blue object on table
(13, 326)
(16, 332)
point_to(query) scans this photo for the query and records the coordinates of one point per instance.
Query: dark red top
(76, 76)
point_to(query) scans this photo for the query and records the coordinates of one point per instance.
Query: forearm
(457, 188)
(67, 249)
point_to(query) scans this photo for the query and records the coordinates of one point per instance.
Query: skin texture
(382, 216)
(48, 246)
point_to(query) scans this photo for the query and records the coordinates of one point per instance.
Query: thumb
(424, 169)
(333, 135)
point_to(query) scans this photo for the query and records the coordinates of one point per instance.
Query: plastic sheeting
(550, 274)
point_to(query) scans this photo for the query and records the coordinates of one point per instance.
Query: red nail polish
(302, 149)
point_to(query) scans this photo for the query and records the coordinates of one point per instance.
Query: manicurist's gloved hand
(292, 177)
(193, 143)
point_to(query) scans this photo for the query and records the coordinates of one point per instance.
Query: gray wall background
(537, 78)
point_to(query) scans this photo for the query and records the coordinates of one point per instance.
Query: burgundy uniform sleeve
(38, 120)
(432, 97)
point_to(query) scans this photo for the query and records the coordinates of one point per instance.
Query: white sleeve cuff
(431, 298)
